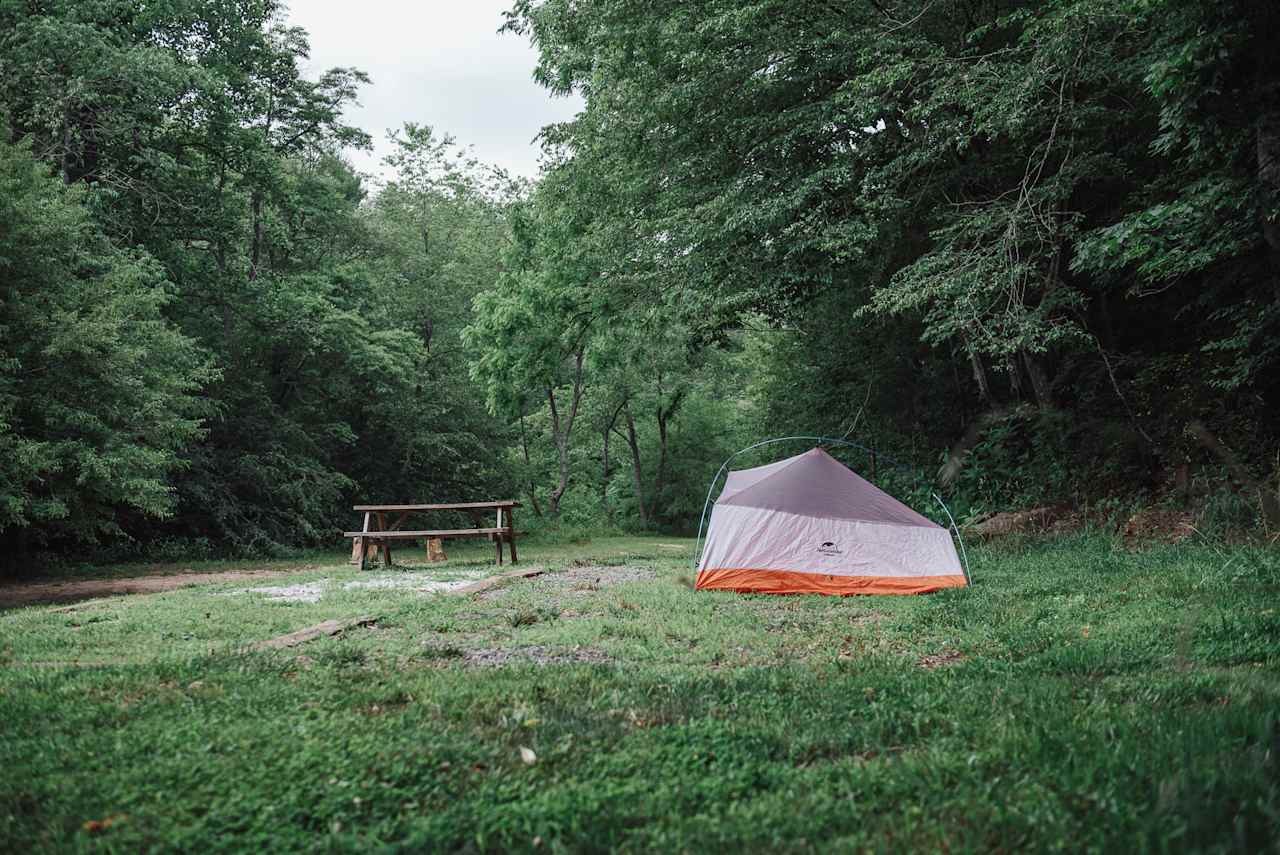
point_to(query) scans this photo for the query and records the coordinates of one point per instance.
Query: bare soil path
(76, 590)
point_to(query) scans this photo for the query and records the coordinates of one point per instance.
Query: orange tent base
(746, 581)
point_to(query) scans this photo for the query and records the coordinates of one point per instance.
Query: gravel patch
(423, 586)
(493, 657)
(308, 592)
(311, 592)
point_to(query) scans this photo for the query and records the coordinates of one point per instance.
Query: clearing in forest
(1078, 696)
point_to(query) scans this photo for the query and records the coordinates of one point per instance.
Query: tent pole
(968, 580)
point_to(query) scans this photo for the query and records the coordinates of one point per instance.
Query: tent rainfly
(810, 525)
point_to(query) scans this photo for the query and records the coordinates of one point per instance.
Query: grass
(1078, 697)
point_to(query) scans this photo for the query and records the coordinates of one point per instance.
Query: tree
(209, 150)
(986, 178)
(531, 333)
(98, 392)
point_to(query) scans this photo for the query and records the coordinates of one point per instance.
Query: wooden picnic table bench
(382, 535)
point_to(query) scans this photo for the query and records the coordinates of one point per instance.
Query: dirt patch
(16, 596)
(76, 591)
(941, 660)
(1158, 526)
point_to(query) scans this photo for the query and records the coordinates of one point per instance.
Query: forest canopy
(1032, 249)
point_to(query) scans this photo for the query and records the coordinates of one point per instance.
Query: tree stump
(435, 549)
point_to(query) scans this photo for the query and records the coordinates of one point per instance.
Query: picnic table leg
(386, 544)
(364, 543)
(497, 538)
(511, 533)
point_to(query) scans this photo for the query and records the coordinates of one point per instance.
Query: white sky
(437, 63)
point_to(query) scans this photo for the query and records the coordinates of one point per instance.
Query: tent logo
(829, 548)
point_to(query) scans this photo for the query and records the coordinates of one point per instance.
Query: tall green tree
(98, 392)
(201, 143)
(1060, 200)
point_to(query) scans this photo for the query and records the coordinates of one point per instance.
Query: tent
(810, 525)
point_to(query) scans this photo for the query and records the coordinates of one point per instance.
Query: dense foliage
(97, 392)
(215, 323)
(1036, 243)
(1042, 233)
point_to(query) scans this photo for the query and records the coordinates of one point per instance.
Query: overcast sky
(437, 63)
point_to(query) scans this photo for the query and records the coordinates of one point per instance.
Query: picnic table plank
(456, 506)
(409, 535)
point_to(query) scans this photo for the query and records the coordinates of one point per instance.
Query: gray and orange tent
(810, 525)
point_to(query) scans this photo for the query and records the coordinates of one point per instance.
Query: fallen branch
(950, 470)
(329, 627)
(1268, 499)
(483, 584)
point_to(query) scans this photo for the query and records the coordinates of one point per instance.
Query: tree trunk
(1108, 336)
(524, 448)
(1266, 18)
(1269, 177)
(66, 145)
(1015, 378)
(636, 472)
(563, 429)
(562, 457)
(604, 472)
(960, 395)
(950, 470)
(1039, 382)
(1267, 497)
(660, 479)
(220, 259)
(255, 253)
(980, 376)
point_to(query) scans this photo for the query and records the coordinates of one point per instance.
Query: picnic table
(377, 532)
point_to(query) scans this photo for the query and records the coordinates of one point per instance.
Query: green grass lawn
(1078, 697)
